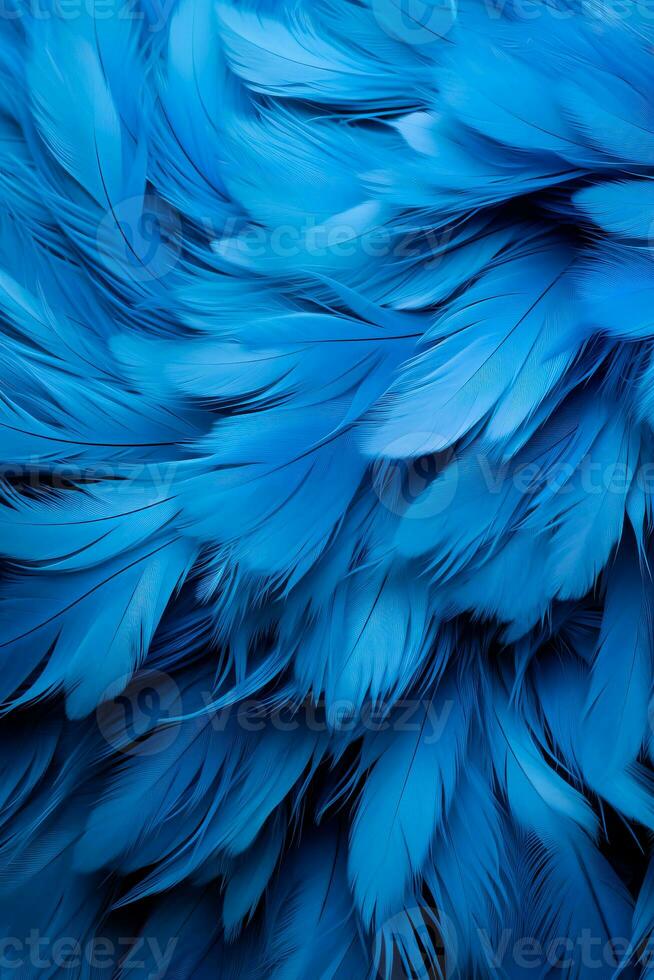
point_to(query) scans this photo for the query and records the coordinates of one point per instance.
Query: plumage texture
(326, 538)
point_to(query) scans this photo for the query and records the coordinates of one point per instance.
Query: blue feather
(326, 363)
(405, 799)
(495, 354)
(622, 208)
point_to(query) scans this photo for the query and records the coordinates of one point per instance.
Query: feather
(191, 782)
(503, 346)
(622, 208)
(615, 720)
(326, 448)
(405, 799)
(97, 624)
(310, 913)
(305, 56)
(470, 877)
(615, 291)
(368, 642)
(181, 936)
(249, 880)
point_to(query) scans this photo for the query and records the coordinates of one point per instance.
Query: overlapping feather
(326, 360)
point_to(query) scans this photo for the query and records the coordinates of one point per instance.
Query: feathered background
(326, 409)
